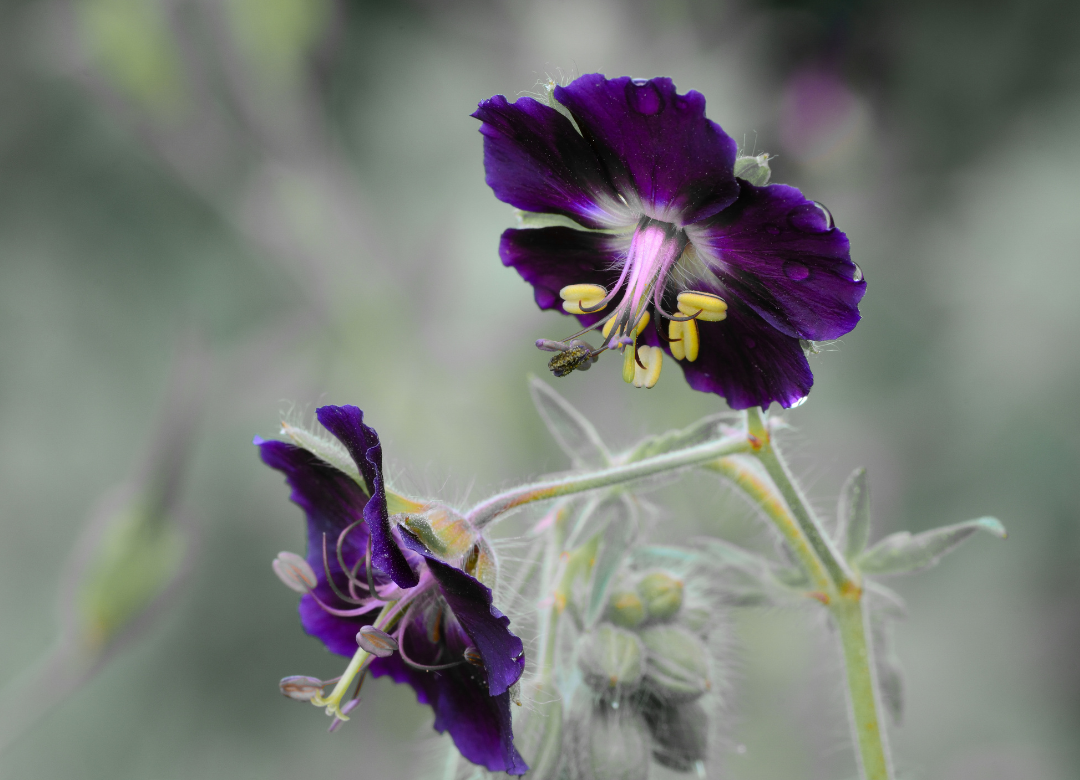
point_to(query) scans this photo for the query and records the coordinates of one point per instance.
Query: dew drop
(749, 342)
(644, 97)
(799, 402)
(794, 271)
(827, 213)
(809, 218)
(857, 276)
(772, 230)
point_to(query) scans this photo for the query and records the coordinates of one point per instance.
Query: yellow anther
(706, 306)
(642, 323)
(653, 358)
(578, 307)
(629, 365)
(577, 297)
(690, 340)
(581, 292)
(675, 334)
(609, 325)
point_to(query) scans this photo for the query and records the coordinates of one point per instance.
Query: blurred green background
(297, 186)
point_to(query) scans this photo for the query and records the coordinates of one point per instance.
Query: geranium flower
(374, 592)
(636, 222)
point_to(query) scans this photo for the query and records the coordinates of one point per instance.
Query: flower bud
(677, 666)
(294, 571)
(754, 169)
(611, 658)
(377, 642)
(680, 734)
(661, 594)
(625, 609)
(607, 743)
(300, 688)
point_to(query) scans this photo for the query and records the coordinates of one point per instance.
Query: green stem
(488, 511)
(826, 551)
(863, 708)
(758, 489)
(843, 598)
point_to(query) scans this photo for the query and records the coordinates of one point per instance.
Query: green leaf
(901, 553)
(705, 429)
(575, 435)
(853, 514)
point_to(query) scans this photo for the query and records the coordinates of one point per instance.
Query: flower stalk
(842, 594)
(487, 512)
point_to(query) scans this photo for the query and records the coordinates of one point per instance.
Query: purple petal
(551, 258)
(479, 724)
(536, 160)
(487, 627)
(656, 143)
(332, 501)
(780, 254)
(347, 424)
(745, 360)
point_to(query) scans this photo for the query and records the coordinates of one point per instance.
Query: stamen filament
(332, 703)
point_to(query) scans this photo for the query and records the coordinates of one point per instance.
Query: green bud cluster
(647, 669)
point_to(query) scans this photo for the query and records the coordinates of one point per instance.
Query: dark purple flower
(452, 645)
(649, 235)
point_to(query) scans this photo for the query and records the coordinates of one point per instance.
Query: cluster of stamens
(385, 637)
(621, 328)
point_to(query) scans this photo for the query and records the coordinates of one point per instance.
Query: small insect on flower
(638, 218)
(406, 596)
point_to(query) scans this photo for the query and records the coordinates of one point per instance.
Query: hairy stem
(811, 528)
(843, 595)
(863, 707)
(488, 511)
(763, 495)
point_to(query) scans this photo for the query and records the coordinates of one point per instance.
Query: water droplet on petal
(749, 342)
(799, 402)
(809, 218)
(640, 82)
(772, 230)
(827, 213)
(794, 271)
(857, 276)
(644, 98)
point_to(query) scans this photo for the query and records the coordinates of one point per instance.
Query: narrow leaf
(901, 553)
(575, 435)
(853, 514)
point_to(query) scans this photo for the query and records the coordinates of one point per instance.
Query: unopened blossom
(635, 222)
(432, 621)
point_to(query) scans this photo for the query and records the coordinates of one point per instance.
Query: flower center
(655, 248)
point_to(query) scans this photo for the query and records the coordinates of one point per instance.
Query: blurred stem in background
(134, 553)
